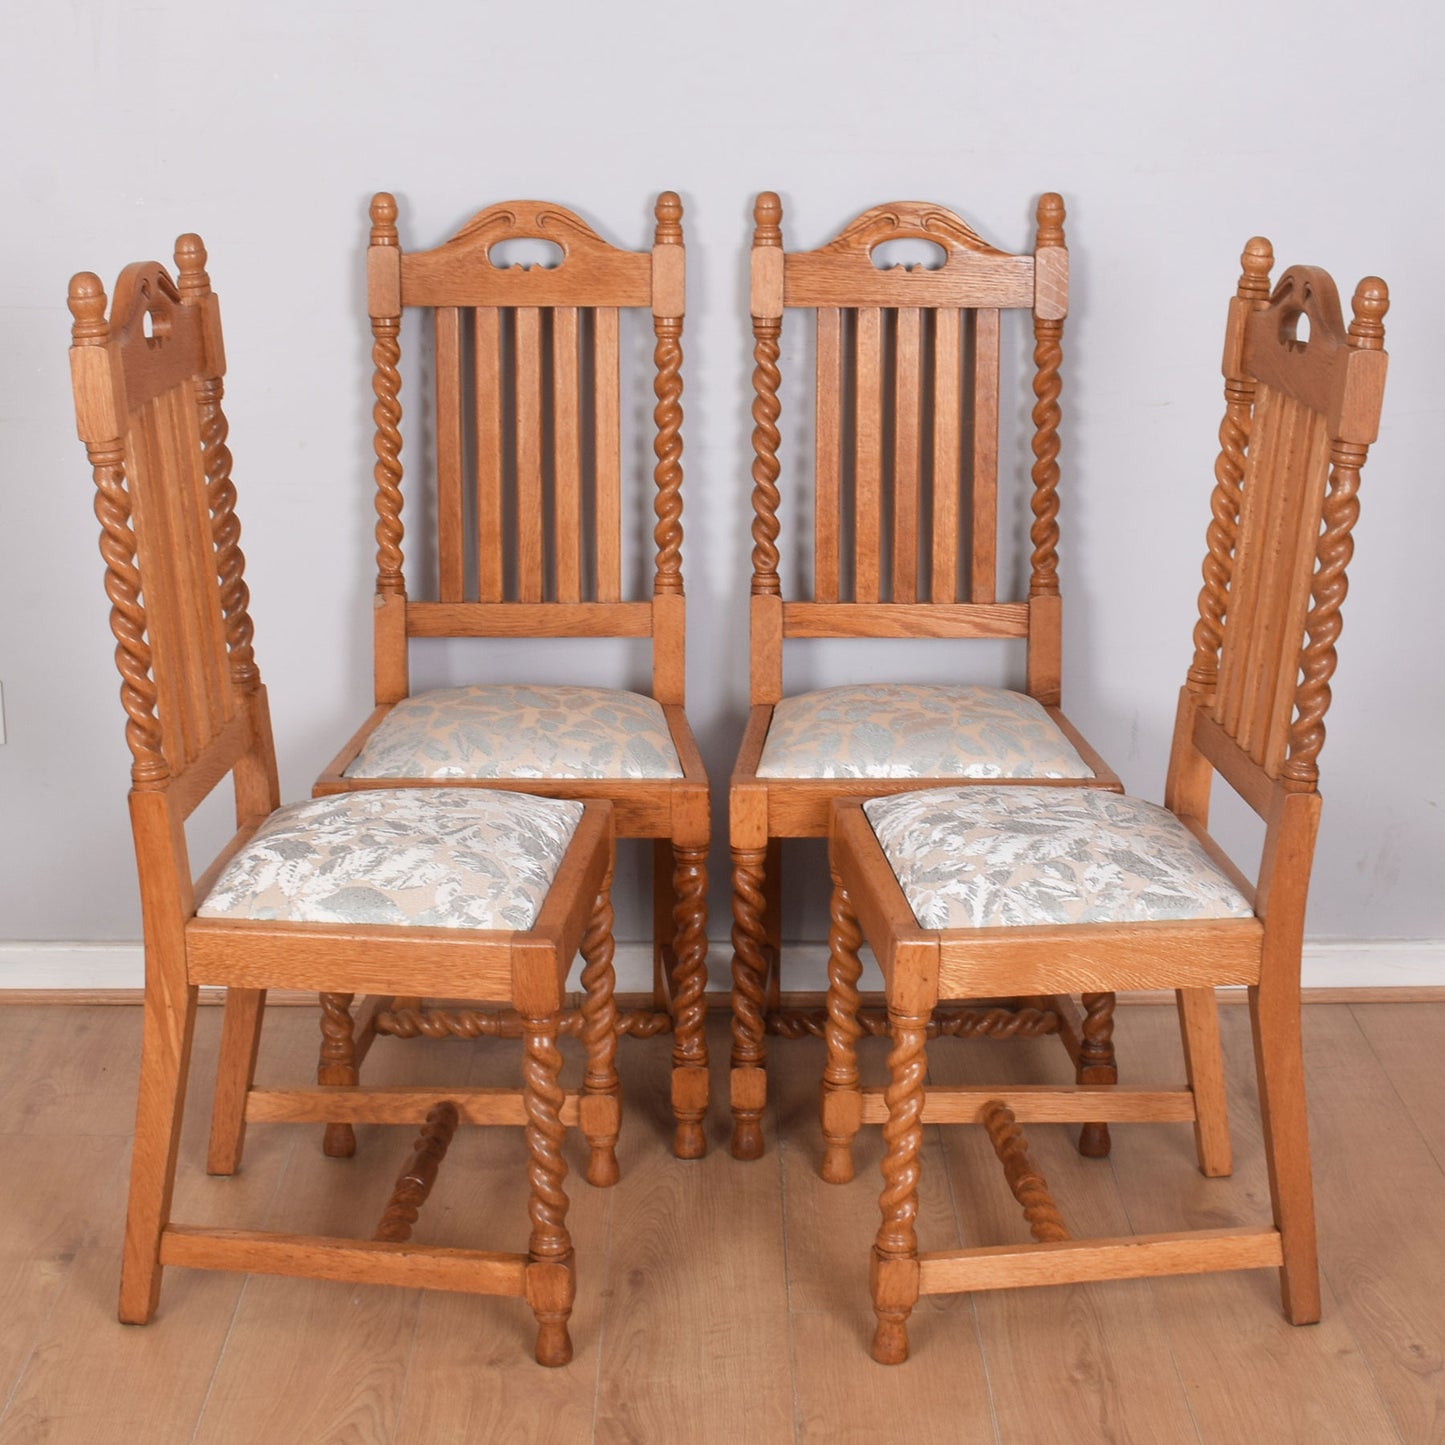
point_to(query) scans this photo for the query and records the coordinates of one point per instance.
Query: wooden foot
(549, 1270)
(235, 1073)
(750, 978)
(841, 1104)
(689, 1011)
(601, 1106)
(1096, 1066)
(337, 1065)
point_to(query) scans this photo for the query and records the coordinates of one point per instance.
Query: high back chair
(483, 894)
(906, 525)
(962, 892)
(528, 508)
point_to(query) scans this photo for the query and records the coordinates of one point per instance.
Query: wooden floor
(721, 1301)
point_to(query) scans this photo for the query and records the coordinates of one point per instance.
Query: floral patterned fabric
(916, 730)
(435, 857)
(988, 857)
(506, 730)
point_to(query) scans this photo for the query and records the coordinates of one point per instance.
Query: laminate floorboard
(723, 1301)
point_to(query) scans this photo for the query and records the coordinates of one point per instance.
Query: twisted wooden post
(90, 336)
(841, 1104)
(895, 1249)
(667, 386)
(418, 1175)
(1028, 1185)
(750, 976)
(767, 233)
(337, 1065)
(194, 284)
(1333, 551)
(386, 413)
(1096, 1065)
(550, 1281)
(689, 1008)
(1048, 355)
(601, 1093)
(1251, 294)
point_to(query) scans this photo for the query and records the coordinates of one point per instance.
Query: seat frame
(148, 391)
(1299, 420)
(762, 811)
(449, 280)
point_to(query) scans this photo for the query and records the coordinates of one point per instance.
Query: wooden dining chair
(487, 894)
(906, 521)
(525, 540)
(962, 892)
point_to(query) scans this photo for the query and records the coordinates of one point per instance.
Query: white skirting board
(1351, 963)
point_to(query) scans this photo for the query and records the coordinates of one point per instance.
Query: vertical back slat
(827, 473)
(608, 508)
(449, 453)
(528, 362)
(487, 335)
(983, 563)
(907, 408)
(566, 454)
(868, 449)
(947, 444)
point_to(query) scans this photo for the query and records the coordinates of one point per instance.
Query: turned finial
(669, 219)
(383, 219)
(768, 218)
(87, 304)
(191, 266)
(1371, 301)
(1256, 260)
(1050, 216)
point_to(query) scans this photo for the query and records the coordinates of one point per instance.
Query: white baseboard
(1355, 963)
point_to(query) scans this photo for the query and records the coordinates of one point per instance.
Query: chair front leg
(894, 1273)
(601, 1094)
(235, 1073)
(689, 1008)
(551, 1283)
(750, 980)
(337, 1065)
(841, 1104)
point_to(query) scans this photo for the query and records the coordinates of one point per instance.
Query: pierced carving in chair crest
(910, 220)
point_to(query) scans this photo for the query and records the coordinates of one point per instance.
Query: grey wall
(1173, 137)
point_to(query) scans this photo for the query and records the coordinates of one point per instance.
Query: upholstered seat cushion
(505, 730)
(916, 730)
(434, 857)
(986, 857)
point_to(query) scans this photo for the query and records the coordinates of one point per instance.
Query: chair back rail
(528, 370)
(906, 431)
(148, 387)
(1302, 403)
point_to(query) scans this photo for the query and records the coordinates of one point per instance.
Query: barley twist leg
(841, 1103)
(750, 977)
(895, 1251)
(600, 1119)
(550, 1274)
(689, 984)
(337, 1065)
(1096, 1065)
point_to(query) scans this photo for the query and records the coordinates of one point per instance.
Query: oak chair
(963, 892)
(528, 512)
(485, 894)
(905, 544)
